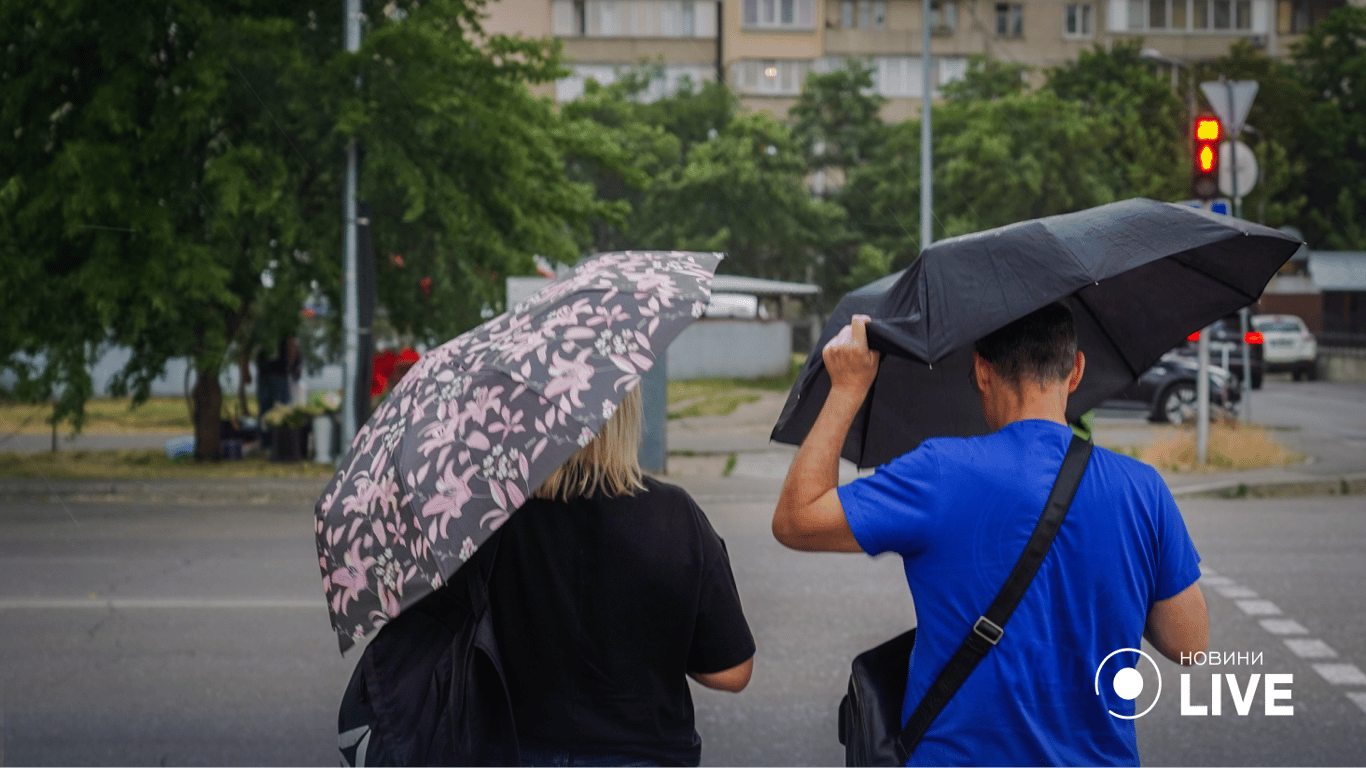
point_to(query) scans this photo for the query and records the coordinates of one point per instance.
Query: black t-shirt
(601, 606)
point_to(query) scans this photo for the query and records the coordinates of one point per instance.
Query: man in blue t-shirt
(959, 511)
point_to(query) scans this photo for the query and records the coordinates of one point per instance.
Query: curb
(302, 491)
(1234, 488)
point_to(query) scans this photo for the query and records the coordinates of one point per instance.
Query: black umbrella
(1139, 276)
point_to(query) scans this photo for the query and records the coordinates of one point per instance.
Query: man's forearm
(815, 470)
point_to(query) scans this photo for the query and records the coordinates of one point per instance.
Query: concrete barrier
(741, 349)
(1342, 364)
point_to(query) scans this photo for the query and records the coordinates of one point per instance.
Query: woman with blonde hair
(610, 588)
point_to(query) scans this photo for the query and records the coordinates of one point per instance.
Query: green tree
(1274, 133)
(743, 192)
(987, 79)
(1148, 150)
(837, 120)
(642, 143)
(996, 161)
(165, 156)
(1332, 62)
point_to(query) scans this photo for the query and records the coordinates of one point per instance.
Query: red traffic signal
(1205, 170)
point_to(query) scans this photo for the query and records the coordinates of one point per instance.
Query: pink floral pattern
(480, 421)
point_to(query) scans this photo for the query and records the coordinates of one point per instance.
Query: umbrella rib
(1106, 333)
(1250, 298)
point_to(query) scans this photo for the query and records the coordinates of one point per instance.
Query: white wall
(743, 349)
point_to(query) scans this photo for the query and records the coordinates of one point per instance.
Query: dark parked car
(1226, 336)
(1167, 390)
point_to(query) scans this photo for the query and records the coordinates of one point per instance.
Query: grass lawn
(719, 397)
(148, 464)
(103, 416)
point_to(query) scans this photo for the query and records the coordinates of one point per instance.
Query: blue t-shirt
(959, 511)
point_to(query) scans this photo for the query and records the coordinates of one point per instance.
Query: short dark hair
(1041, 346)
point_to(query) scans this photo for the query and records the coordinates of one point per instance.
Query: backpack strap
(990, 627)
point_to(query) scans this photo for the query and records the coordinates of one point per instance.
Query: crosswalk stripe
(1236, 591)
(1283, 627)
(1359, 698)
(1341, 674)
(1309, 648)
(1257, 607)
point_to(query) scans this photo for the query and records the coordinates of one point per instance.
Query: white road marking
(1283, 627)
(1303, 647)
(1359, 698)
(1257, 607)
(1309, 648)
(133, 603)
(1341, 674)
(1208, 571)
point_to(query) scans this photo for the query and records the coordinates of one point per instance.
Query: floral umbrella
(481, 421)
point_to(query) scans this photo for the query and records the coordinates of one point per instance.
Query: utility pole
(926, 157)
(351, 313)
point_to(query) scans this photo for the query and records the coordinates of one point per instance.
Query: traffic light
(1205, 168)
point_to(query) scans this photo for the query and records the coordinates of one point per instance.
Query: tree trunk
(208, 405)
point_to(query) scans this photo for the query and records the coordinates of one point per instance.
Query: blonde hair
(608, 463)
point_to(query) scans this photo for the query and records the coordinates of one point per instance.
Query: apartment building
(765, 48)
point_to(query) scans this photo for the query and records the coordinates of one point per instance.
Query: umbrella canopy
(481, 421)
(1139, 276)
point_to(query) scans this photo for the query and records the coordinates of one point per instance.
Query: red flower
(384, 363)
(426, 284)
(377, 383)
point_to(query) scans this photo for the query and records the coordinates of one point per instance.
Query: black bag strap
(990, 627)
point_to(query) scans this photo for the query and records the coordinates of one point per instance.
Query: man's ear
(1078, 368)
(981, 371)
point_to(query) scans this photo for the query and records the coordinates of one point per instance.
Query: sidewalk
(702, 446)
(722, 458)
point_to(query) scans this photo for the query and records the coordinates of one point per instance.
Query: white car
(1287, 345)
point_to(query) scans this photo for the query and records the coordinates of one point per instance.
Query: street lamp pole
(351, 312)
(926, 133)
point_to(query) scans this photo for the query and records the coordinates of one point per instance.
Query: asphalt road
(146, 635)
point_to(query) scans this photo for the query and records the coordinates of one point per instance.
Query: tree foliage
(166, 156)
(837, 120)
(987, 79)
(1332, 62)
(1148, 148)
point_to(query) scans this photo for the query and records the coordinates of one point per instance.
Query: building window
(634, 18)
(1009, 20)
(897, 76)
(1157, 14)
(780, 14)
(1077, 20)
(1296, 17)
(1182, 15)
(1199, 14)
(770, 77)
(863, 14)
(944, 16)
(673, 78)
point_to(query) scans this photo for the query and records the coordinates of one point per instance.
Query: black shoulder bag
(870, 715)
(429, 689)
